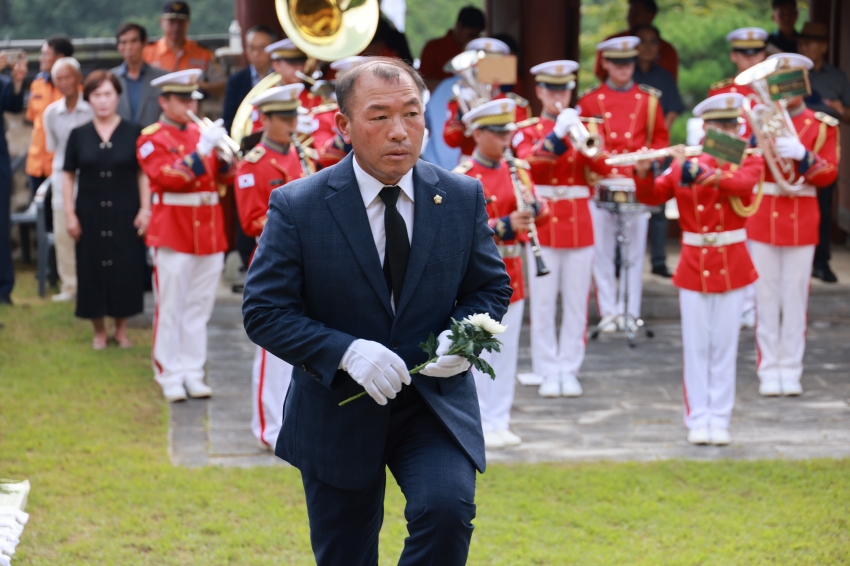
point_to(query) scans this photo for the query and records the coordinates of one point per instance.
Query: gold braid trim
(743, 211)
(821, 138)
(652, 108)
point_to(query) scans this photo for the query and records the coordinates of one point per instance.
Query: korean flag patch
(146, 149)
(246, 180)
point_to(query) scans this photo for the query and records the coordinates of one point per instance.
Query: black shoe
(238, 288)
(662, 271)
(825, 274)
(5, 300)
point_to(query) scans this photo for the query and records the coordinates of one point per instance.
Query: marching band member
(566, 236)
(270, 164)
(783, 234)
(748, 49)
(454, 131)
(327, 141)
(632, 119)
(186, 232)
(713, 269)
(492, 125)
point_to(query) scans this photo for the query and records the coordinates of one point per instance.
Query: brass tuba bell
(329, 29)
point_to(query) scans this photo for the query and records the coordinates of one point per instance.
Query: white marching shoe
(719, 436)
(493, 440)
(770, 388)
(570, 387)
(608, 324)
(63, 297)
(748, 319)
(197, 389)
(509, 438)
(550, 388)
(699, 435)
(174, 393)
(530, 378)
(791, 387)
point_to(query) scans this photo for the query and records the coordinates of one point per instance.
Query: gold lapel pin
(438, 199)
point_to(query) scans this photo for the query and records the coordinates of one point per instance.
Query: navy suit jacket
(238, 86)
(316, 284)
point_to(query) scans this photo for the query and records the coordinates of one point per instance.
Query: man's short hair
(61, 45)
(471, 17)
(63, 62)
(774, 4)
(262, 28)
(130, 26)
(387, 68)
(649, 5)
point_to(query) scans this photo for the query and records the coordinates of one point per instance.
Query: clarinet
(522, 205)
(302, 157)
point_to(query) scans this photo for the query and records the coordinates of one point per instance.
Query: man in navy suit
(259, 65)
(356, 266)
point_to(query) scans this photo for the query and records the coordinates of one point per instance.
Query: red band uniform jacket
(454, 130)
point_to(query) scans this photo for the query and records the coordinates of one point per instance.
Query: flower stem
(417, 369)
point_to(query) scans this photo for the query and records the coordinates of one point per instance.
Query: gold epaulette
(587, 91)
(651, 91)
(522, 163)
(152, 129)
(311, 153)
(520, 101)
(721, 84)
(527, 123)
(255, 154)
(331, 106)
(826, 118)
(463, 168)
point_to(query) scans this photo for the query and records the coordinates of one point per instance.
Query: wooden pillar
(250, 13)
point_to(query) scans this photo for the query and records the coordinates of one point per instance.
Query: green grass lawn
(89, 430)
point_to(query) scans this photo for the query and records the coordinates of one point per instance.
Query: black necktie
(398, 246)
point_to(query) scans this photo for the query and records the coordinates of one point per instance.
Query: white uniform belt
(715, 238)
(186, 199)
(563, 192)
(772, 189)
(509, 251)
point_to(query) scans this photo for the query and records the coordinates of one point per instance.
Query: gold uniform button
(717, 206)
(572, 219)
(614, 170)
(554, 179)
(197, 222)
(632, 116)
(570, 180)
(601, 97)
(607, 114)
(627, 135)
(722, 272)
(733, 89)
(705, 228)
(718, 227)
(555, 219)
(613, 135)
(793, 216)
(706, 273)
(775, 214)
(700, 207)
(704, 251)
(569, 159)
(197, 183)
(638, 96)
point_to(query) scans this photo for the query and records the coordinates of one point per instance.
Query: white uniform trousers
(782, 298)
(554, 353)
(750, 293)
(495, 396)
(269, 383)
(710, 328)
(184, 289)
(608, 300)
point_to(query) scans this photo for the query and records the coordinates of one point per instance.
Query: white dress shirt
(58, 123)
(370, 189)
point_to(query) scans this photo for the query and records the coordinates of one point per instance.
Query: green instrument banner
(723, 146)
(788, 84)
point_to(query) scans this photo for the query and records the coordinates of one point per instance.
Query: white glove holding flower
(568, 117)
(306, 125)
(789, 147)
(211, 137)
(376, 368)
(445, 366)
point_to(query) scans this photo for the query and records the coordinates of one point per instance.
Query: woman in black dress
(110, 215)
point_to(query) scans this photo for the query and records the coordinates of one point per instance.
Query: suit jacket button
(395, 345)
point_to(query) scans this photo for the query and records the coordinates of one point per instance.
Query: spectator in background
(831, 95)
(11, 100)
(110, 215)
(174, 51)
(784, 39)
(139, 101)
(649, 72)
(259, 65)
(437, 52)
(43, 93)
(389, 42)
(643, 12)
(60, 118)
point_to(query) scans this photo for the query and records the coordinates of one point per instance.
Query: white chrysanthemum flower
(483, 321)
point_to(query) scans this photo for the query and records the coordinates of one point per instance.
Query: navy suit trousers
(437, 480)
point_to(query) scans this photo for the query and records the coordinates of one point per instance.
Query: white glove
(376, 368)
(566, 118)
(306, 124)
(210, 138)
(445, 366)
(790, 148)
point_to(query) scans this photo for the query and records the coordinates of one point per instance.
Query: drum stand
(623, 242)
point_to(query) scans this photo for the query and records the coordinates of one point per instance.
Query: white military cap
(497, 115)
(793, 60)
(488, 44)
(285, 49)
(346, 63)
(726, 106)
(557, 75)
(619, 47)
(180, 82)
(747, 40)
(283, 99)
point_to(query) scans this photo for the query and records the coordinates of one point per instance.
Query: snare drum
(616, 194)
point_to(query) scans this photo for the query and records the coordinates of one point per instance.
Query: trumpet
(523, 205)
(227, 148)
(588, 144)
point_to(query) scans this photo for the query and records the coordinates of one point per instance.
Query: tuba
(465, 66)
(769, 120)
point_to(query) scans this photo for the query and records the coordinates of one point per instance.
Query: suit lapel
(346, 205)
(426, 224)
